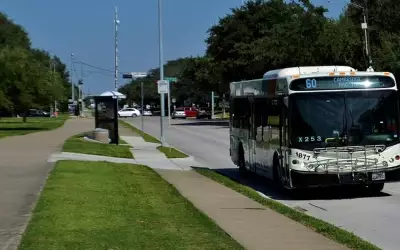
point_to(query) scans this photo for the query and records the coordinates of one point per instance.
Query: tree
(11, 34)
(27, 79)
(265, 35)
(25, 82)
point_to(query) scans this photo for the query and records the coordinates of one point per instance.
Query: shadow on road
(222, 123)
(266, 187)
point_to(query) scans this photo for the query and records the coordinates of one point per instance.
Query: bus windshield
(335, 119)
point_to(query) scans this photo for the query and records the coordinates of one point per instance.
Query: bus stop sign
(106, 116)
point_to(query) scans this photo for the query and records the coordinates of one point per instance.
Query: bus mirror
(286, 101)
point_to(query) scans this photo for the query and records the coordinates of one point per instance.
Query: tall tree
(11, 34)
(25, 82)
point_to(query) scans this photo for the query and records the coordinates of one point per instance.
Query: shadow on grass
(269, 189)
(23, 129)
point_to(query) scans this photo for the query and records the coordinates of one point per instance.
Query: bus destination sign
(342, 82)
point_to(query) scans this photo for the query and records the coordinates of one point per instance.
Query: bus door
(252, 135)
(284, 143)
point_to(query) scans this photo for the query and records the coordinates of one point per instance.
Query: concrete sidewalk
(254, 226)
(145, 153)
(23, 170)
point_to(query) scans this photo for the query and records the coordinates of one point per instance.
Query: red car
(190, 111)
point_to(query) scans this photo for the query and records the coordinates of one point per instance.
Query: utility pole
(142, 103)
(364, 27)
(160, 44)
(53, 78)
(116, 23)
(72, 83)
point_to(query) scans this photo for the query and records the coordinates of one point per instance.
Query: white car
(128, 112)
(147, 112)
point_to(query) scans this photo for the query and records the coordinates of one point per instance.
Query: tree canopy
(265, 35)
(30, 78)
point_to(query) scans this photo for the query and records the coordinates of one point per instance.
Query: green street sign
(171, 79)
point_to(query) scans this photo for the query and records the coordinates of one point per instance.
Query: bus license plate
(378, 176)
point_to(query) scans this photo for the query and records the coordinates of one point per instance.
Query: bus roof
(278, 73)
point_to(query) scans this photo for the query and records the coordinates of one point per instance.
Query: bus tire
(244, 173)
(375, 188)
(276, 176)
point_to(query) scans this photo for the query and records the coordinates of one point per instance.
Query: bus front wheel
(375, 188)
(244, 173)
(277, 177)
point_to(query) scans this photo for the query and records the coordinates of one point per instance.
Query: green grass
(99, 205)
(12, 126)
(342, 236)
(145, 136)
(220, 115)
(76, 144)
(171, 152)
(120, 141)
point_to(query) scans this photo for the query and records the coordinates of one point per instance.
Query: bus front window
(353, 118)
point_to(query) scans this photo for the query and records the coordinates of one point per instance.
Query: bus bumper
(304, 179)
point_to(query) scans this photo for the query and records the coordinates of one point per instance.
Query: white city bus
(317, 126)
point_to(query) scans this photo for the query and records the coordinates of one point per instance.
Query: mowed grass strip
(335, 233)
(99, 205)
(171, 152)
(11, 126)
(145, 136)
(77, 144)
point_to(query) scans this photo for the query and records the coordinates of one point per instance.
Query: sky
(86, 29)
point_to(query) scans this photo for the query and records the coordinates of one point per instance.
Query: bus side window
(261, 115)
(274, 119)
(241, 111)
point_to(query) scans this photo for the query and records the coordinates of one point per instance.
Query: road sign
(162, 86)
(171, 79)
(127, 76)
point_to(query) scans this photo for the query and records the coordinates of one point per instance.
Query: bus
(321, 126)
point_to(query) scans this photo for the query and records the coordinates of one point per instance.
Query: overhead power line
(95, 67)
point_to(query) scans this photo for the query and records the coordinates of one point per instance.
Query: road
(376, 219)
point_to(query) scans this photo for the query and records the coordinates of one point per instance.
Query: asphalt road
(376, 219)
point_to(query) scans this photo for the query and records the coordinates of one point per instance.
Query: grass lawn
(99, 205)
(10, 126)
(145, 136)
(339, 235)
(76, 144)
(220, 115)
(171, 152)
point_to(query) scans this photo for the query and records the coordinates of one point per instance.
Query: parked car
(38, 113)
(190, 111)
(128, 112)
(203, 113)
(147, 112)
(179, 113)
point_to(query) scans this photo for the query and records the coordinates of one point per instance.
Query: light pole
(160, 45)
